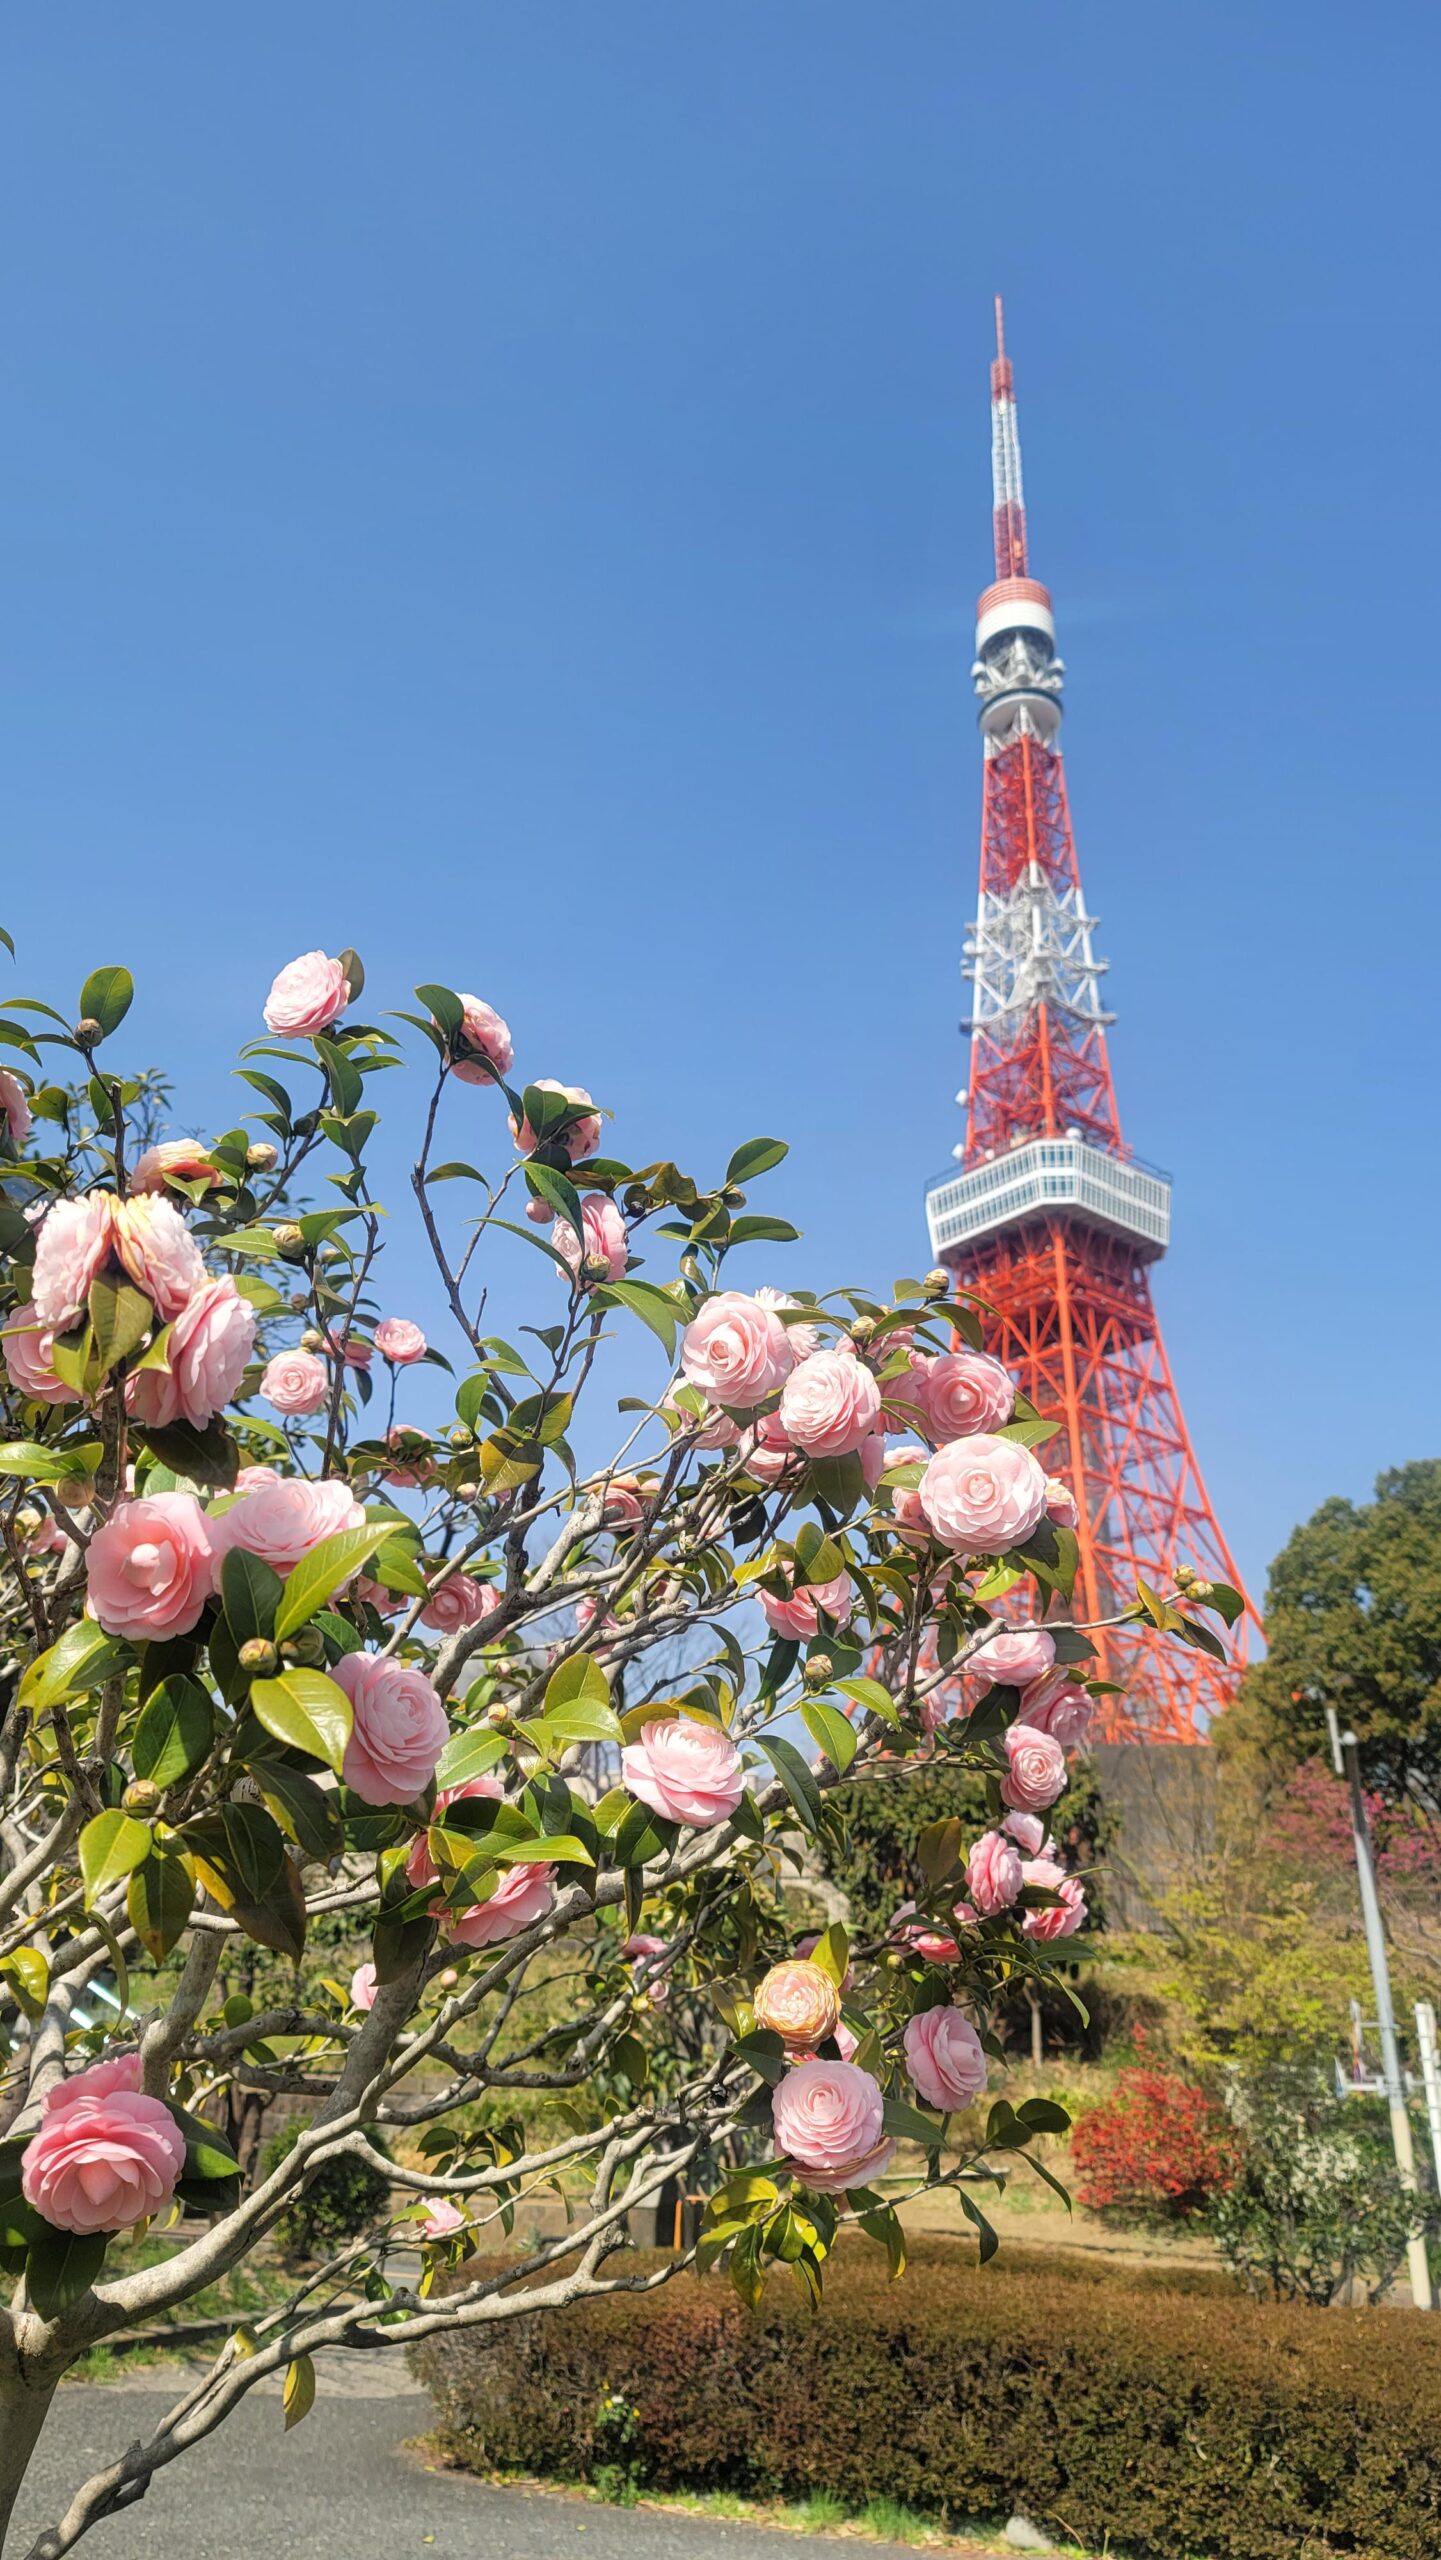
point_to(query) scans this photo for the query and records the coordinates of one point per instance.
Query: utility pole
(1430, 2077)
(1346, 1761)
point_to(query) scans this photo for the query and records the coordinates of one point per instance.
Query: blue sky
(507, 487)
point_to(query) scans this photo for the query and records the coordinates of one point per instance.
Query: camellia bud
(307, 1647)
(468, 1491)
(1202, 1590)
(862, 1329)
(819, 1670)
(460, 1438)
(800, 2004)
(141, 1796)
(449, 1980)
(937, 1283)
(258, 1656)
(497, 1716)
(310, 1340)
(261, 1156)
(88, 1031)
(289, 1243)
(1185, 1576)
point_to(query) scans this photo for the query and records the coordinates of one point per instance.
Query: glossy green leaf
(121, 1317)
(308, 1710)
(106, 997)
(112, 1845)
(159, 1901)
(175, 1731)
(832, 1731)
(78, 1661)
(61, 2266)
(319, 1575)
(757, 1156)
(250, 1592)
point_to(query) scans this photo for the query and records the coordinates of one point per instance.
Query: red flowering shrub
(1157, 2150)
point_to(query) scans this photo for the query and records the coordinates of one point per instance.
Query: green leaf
(1226, 1600)
(763, 1231)
(653, 1307)
(641, 1836)
(208, 2156)
(469, 1755)
(61, 2266)
(586, 1721)
(797, 1779)
(832, 1952)
(445, 1005)
(256, 1241)
(544, 1183)
(906, 2123)
(242, 1846)
(757, 1156)
(871, 1695)
(175, 1731)
(1043, 2115)
(395, 1569)
(82, 1659)
(298, 2395)
(562, 1846)
(985, 2231)
(208, 1457)
(27, 1971)
(311, 1817)
(112, 1845)
(249, 1595)
(121, 1318)
(308, 1710)
(46, 1465)
(580, 1680)
(1031, 1434)
(320, 1573)
(159, 1901)
(833, 1732)
(106, 997)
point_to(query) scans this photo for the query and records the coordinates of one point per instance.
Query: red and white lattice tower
(1050, 1217)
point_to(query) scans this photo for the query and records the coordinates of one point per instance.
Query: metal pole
(1344, 1754)
(1430, 2077)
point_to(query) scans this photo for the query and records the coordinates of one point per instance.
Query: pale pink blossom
(75, 1242)
(363, 1987)
(399, 1729)
(295, 1382)
(796, 1617)
(829, 2122)
(389, 1603)
(603, 1248)
(800, 2003)
(399, 1341)
(1028, 1832)
(250, 1479)
(983, 1496)
(27, 1345)
(736, 1351)
(1054, 1919)
(442, 2219)
(352, 1348)
(1014, 1656)
(993, 1874)
(210, 1343)
(766, 1452)
(116, 2071)
(415, 1463)
(582, 1136)
(685, 1771)
(931, 1945)
(829, 1404)
(149, 1571)
(1058, 1705)
(625, 1503)
(712, 1430)
(184, 1157)
(803, 1338)
(159, 1252)
(486, 1033)
(420, 1867)
(903, 1396)
(907, 1518)
(459, 1601)
(281, 1522)
(967, 1392)
(308, 995)
(945, 2058)
(1061, 1505)
(102, 2161)
(1035, 1771)
(524, 1894)
(14, 1109)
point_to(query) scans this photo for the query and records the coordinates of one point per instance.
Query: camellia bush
(304, 1617)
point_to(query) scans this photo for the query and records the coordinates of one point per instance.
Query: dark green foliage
(1353, 1614)
(342, 2199)
(1155, 2423)
(1314, 2204)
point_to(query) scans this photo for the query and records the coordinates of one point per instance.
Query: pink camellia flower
(295, 1382)
(159, 1252)
(603, 1249)
(74, 1244)
(904, 1396)
(945, 2058)
(412, 1448)
(767, 1453)
(1059, 1706)
(484, 1031)
(847, 2043)
(796, 1617)
(625, 1502)
(799, 2003)
(363, 1987)
(459, 1601)
(420, 1867)
(352, 1348)
(829, 2120)
(149, 1571)
(907, 1518)
(931, 1945)
(210, 1343)
(250, 1479)
(14, 1109)
(1061, 1504)
(524, 1894)
(185, 1157)
(580, 1139)
(967, 1392)
(309, 994)
(712, 1430)
(1055, 1919)
(1028, 1832)
(829, 1404)
(102, 2160)
(441, 2219)
(993, 1874)
(27, 1345)
(282, 1521)
(736, 1351)
(399, 1341)
(1036, 1769)
(803, 1338)
(686, 1772)
(399, 1729)
(1015, 1656)
(98, 2080)
(982, 1496)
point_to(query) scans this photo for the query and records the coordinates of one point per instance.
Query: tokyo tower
(1051, 1218)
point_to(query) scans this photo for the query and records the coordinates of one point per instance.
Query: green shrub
(342, 2198)
(1173, 2424)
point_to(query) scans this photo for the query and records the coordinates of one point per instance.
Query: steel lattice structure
(1051, 1218)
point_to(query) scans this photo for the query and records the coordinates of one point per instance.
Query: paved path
(340, 2487)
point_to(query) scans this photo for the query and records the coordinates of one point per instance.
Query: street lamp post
(1345, 1757)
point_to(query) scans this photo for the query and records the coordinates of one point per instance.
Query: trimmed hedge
(1175, 2423)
